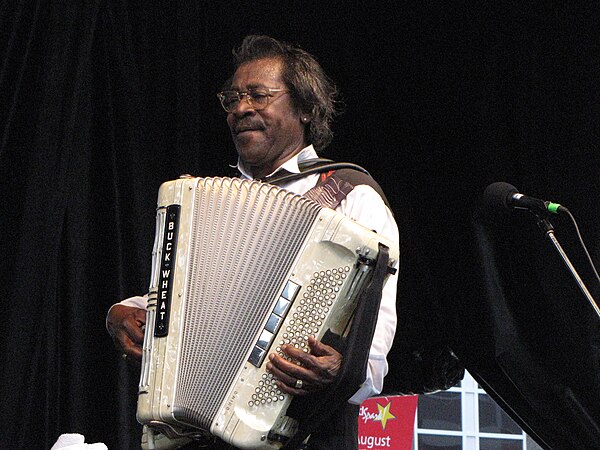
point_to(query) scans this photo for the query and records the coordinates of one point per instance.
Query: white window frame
(470, 393)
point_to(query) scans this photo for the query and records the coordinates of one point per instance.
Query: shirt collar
(291, 165)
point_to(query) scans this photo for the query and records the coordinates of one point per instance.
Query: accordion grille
(245, 237)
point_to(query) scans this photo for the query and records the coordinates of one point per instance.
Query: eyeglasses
(257, 98)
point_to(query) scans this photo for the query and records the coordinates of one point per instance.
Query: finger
(292, 391)
(286, 383)
(291, 371)
(134, 355)
(127, 347)
(283, 376)
(322, 367)
(295, 352)
(317, 348)
(129, 340)
(134, 330)
(140, 316)
(305, 361)
(125, 325)
(133, 350)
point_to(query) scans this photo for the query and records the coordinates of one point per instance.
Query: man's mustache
(245, 125)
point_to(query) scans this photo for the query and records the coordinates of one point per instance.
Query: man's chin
(250, 153)
(249, 143)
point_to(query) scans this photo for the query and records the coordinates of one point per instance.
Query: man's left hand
(318, 368)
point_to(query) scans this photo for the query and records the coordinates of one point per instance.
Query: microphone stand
(548, 229)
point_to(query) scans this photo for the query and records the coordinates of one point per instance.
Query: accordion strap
(336, 181)
(311, 166)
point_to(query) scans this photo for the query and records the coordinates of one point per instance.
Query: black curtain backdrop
(101, 101)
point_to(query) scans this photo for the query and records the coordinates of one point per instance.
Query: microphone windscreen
(496, 195)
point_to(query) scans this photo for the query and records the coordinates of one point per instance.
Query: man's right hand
(125, 325)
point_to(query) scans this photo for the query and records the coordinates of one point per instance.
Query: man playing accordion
(280, 105)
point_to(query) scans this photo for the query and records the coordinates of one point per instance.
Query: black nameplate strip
(167, 268)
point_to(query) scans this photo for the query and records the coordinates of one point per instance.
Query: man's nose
(243, 107)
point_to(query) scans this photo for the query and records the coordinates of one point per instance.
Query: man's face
(265, 139)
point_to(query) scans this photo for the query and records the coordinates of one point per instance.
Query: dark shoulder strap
(311, 166)
(356, 178)
(336, 182)
(335, 185)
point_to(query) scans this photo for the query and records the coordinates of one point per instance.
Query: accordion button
(273, 323)
(290, 290)
(257, 356)
(264, 341)
(281, 307)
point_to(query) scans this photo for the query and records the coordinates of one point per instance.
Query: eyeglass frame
(248, 95)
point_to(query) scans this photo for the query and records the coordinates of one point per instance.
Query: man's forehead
(258, 73)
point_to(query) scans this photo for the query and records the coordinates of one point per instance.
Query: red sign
(387, 423)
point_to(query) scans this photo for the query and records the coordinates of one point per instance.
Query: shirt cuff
(373, 385)
(134, 302)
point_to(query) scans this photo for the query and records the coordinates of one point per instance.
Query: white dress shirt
(367, 208)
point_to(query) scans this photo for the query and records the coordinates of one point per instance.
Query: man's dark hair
(311, 89)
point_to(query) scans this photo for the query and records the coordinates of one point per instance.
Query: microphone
(504, 195)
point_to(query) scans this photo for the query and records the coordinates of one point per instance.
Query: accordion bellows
(239, 268)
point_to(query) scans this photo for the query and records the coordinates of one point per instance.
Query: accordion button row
(273, 323)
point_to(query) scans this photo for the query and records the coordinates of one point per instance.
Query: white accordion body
(239, 268)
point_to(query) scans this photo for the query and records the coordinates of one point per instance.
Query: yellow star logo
(384, 414)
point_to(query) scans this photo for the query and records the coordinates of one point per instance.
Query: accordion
(240, 268)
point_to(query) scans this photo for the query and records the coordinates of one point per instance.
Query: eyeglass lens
(256, 98)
